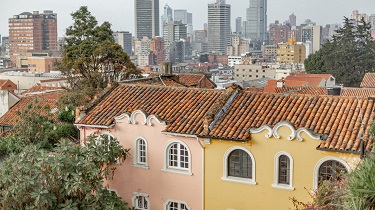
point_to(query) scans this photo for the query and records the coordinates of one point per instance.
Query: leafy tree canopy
(348, 56)
(36, 126)
(69, 177)
(91, 58)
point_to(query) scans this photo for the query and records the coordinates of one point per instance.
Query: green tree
(69, 177)
(91, 58)
(36, 126)
(348, 56)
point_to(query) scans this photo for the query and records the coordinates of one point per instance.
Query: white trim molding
(147, 118)
(320, 162)
(225, 176)
(136, 153)
(166, 203)
(260, 129)
(276, 170)
(177, 170)
(295, 134)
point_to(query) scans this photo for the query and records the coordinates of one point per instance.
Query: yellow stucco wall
(224, 195)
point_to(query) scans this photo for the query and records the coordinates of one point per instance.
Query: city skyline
(120, 13)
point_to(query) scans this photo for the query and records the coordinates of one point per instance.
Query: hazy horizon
(120, 13)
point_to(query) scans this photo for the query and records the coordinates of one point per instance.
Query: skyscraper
(174, 31)
(239, 26)
(146, 18)
(218, 26)
(185, 17)
(32, 31)
(292, 20)
(166, 17)
(256, 20)
(125, 39)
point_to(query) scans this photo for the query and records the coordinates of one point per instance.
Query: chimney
(280, 83)
(80, 113)
(166, 68)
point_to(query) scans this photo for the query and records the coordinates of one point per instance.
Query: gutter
(94, 126)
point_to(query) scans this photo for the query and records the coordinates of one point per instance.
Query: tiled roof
(359, 92)
(156, 80)
(183, 108)
(338, 117)
(311, 79)
(197, 80)
(231, 113)
(368, 80)
(11, 117)
(295, 83)
(303, 90)
(3, 81)
(39, 88)
(270, 87)
(193, 80)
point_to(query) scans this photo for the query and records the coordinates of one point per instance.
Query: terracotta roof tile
(184, 108)
(44, 99)
(311, 79)
(303, 90)
(368, 80)
(339, 118)
(39, 88)
(156, 81)
(359, 92)
(192, 80)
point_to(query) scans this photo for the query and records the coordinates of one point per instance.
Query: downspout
(203, 170)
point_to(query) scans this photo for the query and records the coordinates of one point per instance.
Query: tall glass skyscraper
(219, 30)
(146, 18)
(256, 21)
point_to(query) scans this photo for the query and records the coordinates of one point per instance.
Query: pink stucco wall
(160, 185)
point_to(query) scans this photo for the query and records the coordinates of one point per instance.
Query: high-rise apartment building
(157, 47)
(238, 47)
(32, 31)
(219, 29)
(292, 20)
(291, 52)
(238, 26)
(146, 18)
(312, 33)
(166, 17)
(185, 17)
(174, 31)
(125, 39)
(256, 21)
(278, 33)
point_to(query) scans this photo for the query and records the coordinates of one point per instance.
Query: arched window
(283, 171)
(177, 158)
(329, 169)
(177, 205)
(140, 154)
(105, 136)
(239, 166)
(141, 201)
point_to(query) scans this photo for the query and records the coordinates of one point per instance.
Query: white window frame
(175, 201)
(320, 162)
(136, 162)
(179, 170)
(225, 176)
(135, 195)
(110, 138)
(276, 183)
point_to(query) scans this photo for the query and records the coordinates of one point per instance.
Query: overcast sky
(120, 13)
